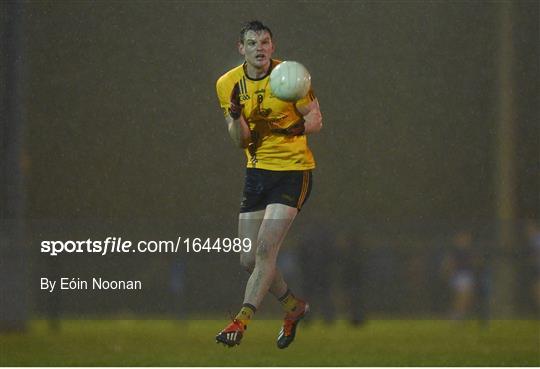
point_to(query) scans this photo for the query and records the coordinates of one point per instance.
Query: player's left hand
(235, 110)
(297, 129)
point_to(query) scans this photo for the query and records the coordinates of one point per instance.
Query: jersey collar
(260, 78)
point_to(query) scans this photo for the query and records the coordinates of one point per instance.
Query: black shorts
(263, 187)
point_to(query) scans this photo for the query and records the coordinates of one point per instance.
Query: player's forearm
(239, 132)
(313, 121)
(312, 116)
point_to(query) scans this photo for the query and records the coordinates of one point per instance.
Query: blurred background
(426, 193)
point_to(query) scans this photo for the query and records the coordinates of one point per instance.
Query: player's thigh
(280, 212)
(275, 225)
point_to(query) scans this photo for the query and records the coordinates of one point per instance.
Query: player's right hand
(235, 110)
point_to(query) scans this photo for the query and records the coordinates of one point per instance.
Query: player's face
(257, 49)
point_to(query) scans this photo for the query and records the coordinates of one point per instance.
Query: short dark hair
(254, 25)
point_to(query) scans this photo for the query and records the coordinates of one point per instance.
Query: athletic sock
(289, 302)
(246, 313)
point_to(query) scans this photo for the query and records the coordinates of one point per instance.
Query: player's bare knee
(264, 250)
(247, 262)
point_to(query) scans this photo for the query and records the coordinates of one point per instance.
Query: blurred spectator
(177, 287)
(316, 265)
(53, 300)
(383, 274)
(482, 266)
(533, 258)
(350, 268)
(459, 268)
(437, 281)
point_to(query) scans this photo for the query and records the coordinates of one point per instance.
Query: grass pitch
(191, 343)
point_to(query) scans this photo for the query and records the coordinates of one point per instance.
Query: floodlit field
(191, 343)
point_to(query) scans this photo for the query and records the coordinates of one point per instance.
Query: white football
(290, 81)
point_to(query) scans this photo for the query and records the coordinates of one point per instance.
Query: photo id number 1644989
(217, 245)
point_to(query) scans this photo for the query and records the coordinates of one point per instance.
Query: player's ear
(241, 49)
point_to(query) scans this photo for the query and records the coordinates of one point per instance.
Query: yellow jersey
(264, 112)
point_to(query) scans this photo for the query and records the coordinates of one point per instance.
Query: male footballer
(278, 176)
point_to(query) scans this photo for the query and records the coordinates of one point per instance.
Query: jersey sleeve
(223, 90)
(306, 99)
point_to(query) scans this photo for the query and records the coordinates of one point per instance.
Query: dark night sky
(123, 121)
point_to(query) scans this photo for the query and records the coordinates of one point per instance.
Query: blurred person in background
(317, 262)
(460, 270)
(54, 300)
(177, 286)
(484, 285)
(533, 259)
(351, 269)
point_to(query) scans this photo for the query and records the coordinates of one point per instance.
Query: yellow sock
(246, 313)
(289, 302)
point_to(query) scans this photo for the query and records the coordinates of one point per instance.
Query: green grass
(191, 343)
